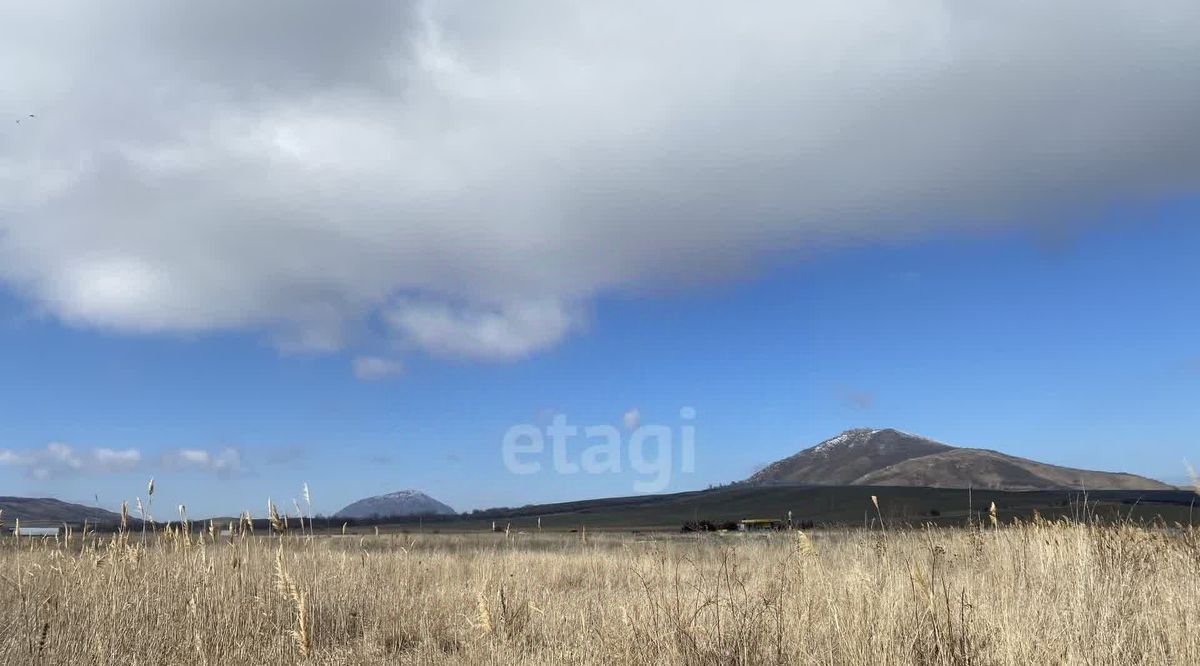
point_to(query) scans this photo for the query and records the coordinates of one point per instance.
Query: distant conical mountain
(397, 504)
(887, 457)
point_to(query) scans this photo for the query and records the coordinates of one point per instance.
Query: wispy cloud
(225, 462)
(857, 399)
(631, 419)
(57, 460)
(373, 368)
(509, 331)
(284, 456)
(380, 459)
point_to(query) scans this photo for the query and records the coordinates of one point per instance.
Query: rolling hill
(826, 506)
(46, 509)
(887, 457)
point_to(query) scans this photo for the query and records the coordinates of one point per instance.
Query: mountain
(401, 503)
(888, 457)
(46, 509)
(842, 460)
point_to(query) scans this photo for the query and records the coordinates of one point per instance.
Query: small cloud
(860, 400)
(1056, 238)
(58, 460)
(310, 336)
(373, 368)
(116, 460)
(507, 332)
(632, 419)
(283, 456)
(224, 463)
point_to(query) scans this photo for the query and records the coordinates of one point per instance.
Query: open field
(1032, 593)
(825, 506)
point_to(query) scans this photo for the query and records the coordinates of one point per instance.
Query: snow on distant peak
(912, 435)
(867, 436)
(850, 438)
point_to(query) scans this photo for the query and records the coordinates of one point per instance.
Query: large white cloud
(472, 174)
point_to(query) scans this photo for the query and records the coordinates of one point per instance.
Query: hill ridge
(49, 509)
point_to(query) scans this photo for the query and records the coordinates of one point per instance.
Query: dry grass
(1029, 594)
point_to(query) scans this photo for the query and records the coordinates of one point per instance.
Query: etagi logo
(649, 450)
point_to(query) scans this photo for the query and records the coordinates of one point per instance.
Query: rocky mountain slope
(889, 457)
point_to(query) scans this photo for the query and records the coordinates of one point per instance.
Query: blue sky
(1081, 352)
(237, 262)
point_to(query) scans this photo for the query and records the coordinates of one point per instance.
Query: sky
(247, 247)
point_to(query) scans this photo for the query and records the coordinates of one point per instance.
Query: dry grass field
(1037, 593)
